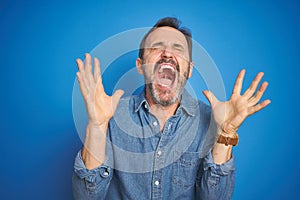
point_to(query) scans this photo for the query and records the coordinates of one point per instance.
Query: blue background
(39, 44)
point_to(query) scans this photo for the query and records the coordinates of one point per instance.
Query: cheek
(148, 71)
(151, 58)
(185, 72)
(184, 68)
(183, 56)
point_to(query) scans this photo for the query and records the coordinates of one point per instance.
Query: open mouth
(166, 75)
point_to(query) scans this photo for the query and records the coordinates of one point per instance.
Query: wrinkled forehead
(166, 35)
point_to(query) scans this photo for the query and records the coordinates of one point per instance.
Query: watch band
(228, 140)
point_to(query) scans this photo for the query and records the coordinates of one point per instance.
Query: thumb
(116, 97)
(210, 97)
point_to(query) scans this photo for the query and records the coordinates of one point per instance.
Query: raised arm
(231, 114)
(100, 109)
(218, 178)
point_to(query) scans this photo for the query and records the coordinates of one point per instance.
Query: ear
(191, 69)
(139, 66)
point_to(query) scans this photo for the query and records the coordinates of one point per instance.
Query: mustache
(165, 60)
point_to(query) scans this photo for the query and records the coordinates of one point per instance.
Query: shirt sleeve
(217, 181)
(90, 184)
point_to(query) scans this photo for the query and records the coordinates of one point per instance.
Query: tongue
(165, 82)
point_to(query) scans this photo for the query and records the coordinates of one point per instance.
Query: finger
(210, 97)
(116, 98)
(82, 85)
(88, 68)
(254, 100)
(99, 87)
(88, 62)
(97, 70)
(80, 65)
(239, 82)
(250, 91)
(82, 73)
(258, 107)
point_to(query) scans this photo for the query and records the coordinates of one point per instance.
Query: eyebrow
(157, 44)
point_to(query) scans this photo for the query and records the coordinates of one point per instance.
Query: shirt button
(146, 106)
(155, 123)
(159, 153)
(105, 173)
(156, 183)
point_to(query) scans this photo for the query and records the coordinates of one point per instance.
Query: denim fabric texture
(143, 162)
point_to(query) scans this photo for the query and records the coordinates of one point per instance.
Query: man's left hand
(230, 115)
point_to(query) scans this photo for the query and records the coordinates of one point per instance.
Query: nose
(166, 53)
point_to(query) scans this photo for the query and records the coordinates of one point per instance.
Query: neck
(162, 113)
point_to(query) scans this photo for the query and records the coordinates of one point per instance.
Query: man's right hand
(100, 109)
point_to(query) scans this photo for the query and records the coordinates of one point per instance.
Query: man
(186, 153)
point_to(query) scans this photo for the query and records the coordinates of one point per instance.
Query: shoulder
(129, 103)
(203, 107)
(195, 106)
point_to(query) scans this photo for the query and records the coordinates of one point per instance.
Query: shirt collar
(139, 100)
(188, 103)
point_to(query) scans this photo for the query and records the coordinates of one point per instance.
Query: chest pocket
(185, 168)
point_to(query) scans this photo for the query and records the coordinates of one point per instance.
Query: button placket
(158, 172)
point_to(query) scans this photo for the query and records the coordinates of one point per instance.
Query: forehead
(166, 34)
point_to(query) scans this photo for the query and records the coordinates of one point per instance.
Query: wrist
(93, 124)
(227, 138)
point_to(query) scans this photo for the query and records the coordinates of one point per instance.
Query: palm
(231, 114)
(105, 106)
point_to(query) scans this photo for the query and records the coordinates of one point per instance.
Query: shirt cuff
(104, 170)
(221, 170)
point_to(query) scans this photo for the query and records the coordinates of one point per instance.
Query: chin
(166, 97)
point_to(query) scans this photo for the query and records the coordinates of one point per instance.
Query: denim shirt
(143, 162)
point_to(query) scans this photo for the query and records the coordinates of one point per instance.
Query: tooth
(166, 67)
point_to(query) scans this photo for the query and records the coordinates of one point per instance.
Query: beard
(169, 96)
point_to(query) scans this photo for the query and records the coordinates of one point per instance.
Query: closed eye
(157, 45)
(178, 47)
